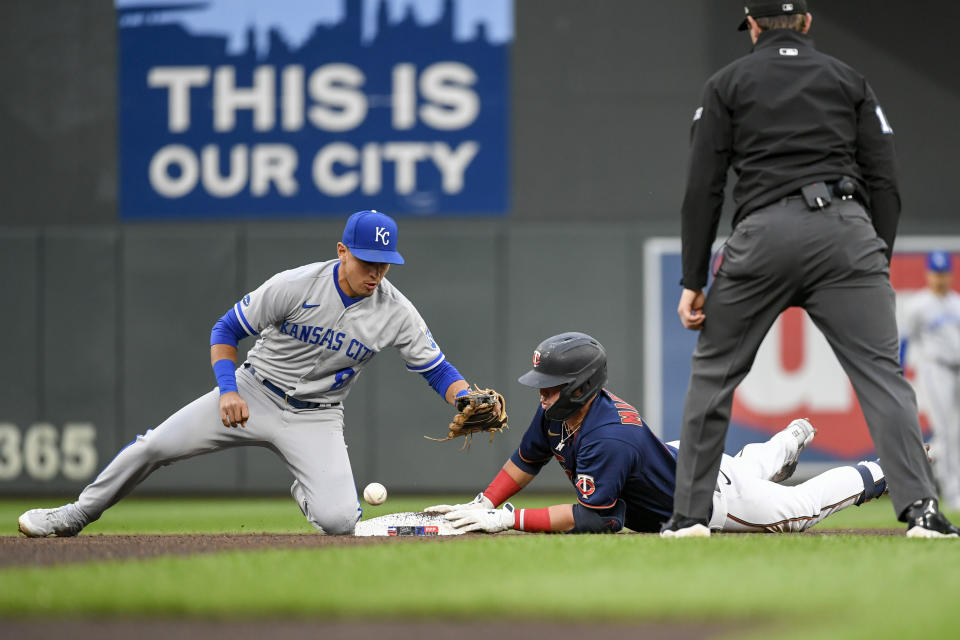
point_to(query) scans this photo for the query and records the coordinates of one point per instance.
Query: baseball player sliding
(624, 475)
(317, 327)
(932, 325)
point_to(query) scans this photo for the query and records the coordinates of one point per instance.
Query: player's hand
(690, 309)
(480, 502)
(489, 520)
(234, 411)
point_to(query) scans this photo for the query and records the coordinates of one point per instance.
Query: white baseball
(375, 493)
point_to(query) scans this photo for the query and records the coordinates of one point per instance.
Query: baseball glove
(479, 410)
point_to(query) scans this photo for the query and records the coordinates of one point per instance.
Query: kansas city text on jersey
(332, 340)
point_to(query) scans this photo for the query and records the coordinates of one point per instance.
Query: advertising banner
(795, 373)
(255, 109)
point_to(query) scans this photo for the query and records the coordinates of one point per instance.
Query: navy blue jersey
(612, 456)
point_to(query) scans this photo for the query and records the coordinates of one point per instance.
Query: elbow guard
(592, 521)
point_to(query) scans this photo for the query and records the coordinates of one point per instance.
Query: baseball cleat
(924, 520)
(63, 522)
(803, 433)
(683, 527)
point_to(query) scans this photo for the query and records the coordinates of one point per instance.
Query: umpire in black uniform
(817, 207)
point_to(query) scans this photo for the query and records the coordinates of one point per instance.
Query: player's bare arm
(233, 409)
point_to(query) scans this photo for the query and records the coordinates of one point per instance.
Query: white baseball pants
(746, 501)
(940, 386)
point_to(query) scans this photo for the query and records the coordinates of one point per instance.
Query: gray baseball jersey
(932, 330)
(313, 347)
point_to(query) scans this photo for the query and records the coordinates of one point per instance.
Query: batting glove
(489, 520)
(480, 502)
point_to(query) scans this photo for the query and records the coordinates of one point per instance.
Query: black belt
(293, 402)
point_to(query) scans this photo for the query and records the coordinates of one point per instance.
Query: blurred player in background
(624, 475)
(317, 327)
(932, 329)
(817, 207)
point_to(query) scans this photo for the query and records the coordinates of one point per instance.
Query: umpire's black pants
(832, 264)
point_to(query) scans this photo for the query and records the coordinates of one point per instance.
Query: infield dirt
(20, 551)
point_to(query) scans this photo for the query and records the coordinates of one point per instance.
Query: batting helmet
(572, 359)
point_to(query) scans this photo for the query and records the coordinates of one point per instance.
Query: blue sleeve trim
(441, 377)
(427, 367)
(227, 330)
(242, 319)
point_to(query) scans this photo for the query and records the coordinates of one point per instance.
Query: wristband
(225, 371)
(462, 392)
(532, 519)
(502, 487)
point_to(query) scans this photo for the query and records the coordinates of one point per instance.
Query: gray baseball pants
(832, 264)
(310, 442)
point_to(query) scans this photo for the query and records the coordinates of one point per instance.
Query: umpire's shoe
(64, 522)
(924, 520)
(683, 527)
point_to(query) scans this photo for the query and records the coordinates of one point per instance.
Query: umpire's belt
(290, 400)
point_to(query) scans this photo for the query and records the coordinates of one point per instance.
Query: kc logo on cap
(372, 237)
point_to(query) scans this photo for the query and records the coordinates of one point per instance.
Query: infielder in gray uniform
(317, 327)
(932, 327)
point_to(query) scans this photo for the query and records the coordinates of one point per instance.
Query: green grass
(790, 585)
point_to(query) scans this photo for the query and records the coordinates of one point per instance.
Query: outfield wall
(112, 325)
(112, 330)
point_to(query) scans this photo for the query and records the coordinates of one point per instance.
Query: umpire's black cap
(766, 8)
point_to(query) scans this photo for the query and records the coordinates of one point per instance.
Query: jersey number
(342, 377)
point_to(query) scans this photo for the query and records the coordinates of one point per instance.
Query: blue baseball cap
(372, 236)
(939, 261)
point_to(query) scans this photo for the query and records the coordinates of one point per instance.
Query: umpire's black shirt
(783, 116)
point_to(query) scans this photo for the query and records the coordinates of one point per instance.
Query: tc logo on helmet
(536, 358)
